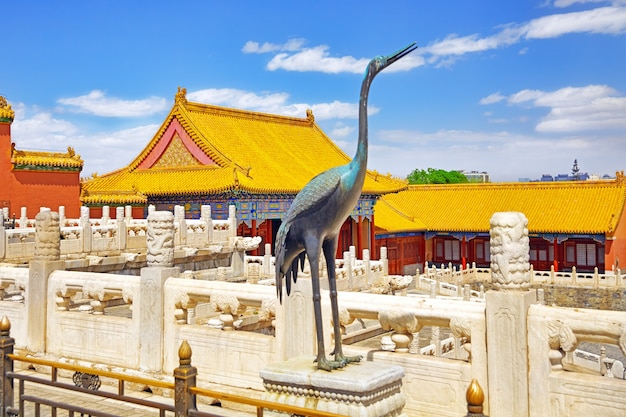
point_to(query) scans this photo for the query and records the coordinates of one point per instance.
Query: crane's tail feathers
(302, 259)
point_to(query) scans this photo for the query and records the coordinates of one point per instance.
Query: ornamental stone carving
(561, 336)
(510, 251)
(47, 236)
(160, 239)
(268, 309)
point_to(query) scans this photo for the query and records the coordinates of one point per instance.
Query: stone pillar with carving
(87, 233)
(46, 259)
(160, 259)
(506, 312)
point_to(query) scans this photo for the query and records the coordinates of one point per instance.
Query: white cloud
(492, 98)
(276, 103)
(106, 151)
(575, 109)
(98, 104)
(567, 3)
(316, 59)
(42, 132)
(252, 47)
(603, 20)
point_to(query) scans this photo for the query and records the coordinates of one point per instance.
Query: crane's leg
(322, 361)
(330, 248)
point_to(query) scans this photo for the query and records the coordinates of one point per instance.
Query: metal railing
(184, 388)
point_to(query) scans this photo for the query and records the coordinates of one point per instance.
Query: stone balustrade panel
(228, 356)
(13, 285)
(557, 392)
(82, 333)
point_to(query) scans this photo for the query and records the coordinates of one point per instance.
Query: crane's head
(379, 63)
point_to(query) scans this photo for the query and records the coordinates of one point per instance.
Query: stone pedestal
(364, 389)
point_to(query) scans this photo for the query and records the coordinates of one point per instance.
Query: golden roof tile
(586, 207)
(68, 160)
(391, 220)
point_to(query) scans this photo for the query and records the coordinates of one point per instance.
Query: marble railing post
(267, 261)
(384, 260)
(128, 214)
(105, 215)
(23, 217)
(369, 277)
(205, 215)
(179, 217)
(506, 315)
(46, 260)
(347, 264)
(62, 215)
(87, 233)
(122, 232)
(149, 307)
(232, 221)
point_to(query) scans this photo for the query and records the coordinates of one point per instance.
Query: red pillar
(359, 236)
(464, 253)
(556, 255)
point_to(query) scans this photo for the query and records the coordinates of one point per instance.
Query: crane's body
(312, 223)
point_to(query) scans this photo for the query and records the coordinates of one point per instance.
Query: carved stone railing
(553, 336)
(83, 236)
(352, 274)
(77, 313)
(13, 285)
(473, 274)
(232, 323)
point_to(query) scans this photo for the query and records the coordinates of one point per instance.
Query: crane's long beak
(401, 53)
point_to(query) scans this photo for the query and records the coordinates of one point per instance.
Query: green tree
(435, 176)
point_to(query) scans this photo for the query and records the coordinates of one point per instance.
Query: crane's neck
(360, 158)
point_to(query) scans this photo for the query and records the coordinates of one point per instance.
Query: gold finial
(6, 112)
(474, 397)
(181, 95)
(184, 354)
(309, 116)
(5, 326)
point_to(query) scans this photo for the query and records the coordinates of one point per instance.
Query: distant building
(475, 176)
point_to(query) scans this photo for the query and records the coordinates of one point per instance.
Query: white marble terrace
(523, 354)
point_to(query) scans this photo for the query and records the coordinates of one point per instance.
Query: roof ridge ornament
(7, 114)
(620, 177)
(181, 96)
(309, 116)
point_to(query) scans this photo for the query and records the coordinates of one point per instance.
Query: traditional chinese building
(34, 179)
(210, 155)
(571, 223)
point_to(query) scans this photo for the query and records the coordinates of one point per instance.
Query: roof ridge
(250, 114)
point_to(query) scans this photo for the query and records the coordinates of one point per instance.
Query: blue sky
(517, 89)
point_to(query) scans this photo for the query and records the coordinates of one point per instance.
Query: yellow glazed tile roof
(249, 151)
(69, 159)
(586, 207)
(391, 220)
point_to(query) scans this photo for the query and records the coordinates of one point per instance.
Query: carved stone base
(360, 389)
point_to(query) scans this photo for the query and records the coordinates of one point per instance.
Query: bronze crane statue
(314, 219)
